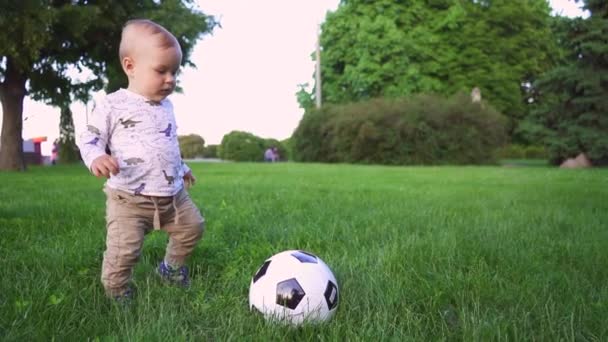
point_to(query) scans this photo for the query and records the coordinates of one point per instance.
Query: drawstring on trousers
(156, 220)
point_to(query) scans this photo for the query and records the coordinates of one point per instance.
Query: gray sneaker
(125, 298)
(174, 276)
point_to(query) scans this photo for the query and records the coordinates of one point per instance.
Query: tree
(40, 40)
(572, 110)
(390, 48)
(192, 145)
(68, 151)
(242, 146)
(305, 99)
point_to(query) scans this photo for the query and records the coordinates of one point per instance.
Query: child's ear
(128, 65)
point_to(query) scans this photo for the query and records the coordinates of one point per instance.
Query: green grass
(420, 253)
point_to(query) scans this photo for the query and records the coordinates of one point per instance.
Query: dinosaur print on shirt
(94, 141)
(169, 179)
(167, 130)
(93, 130)
(137, 191)
(133, 161)
(142, 136)
(128, 123)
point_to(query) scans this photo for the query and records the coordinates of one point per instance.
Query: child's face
(153, 71)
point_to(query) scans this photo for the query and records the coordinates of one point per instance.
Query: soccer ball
(294, 287)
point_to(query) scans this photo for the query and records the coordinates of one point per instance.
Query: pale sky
(247, 72)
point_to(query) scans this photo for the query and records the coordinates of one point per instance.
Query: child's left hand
(189, 179)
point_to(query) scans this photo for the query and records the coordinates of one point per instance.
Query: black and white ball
(294, 287)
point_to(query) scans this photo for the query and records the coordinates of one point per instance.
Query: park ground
(514, 252)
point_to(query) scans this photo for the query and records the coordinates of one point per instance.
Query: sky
(247, 72)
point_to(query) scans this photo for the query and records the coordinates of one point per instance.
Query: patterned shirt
(142, 136)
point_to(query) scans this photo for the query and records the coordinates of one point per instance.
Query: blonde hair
(164, 38)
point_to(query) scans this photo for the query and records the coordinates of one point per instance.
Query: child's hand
(104, 166)
(189, 179)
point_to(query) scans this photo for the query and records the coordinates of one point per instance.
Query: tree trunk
(68, 151)
(12, 93)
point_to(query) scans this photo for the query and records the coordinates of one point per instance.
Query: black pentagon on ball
(261, 271)
(331, 295)
(289, 293)
(304, 257)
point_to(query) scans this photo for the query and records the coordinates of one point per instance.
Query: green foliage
(388, 48)
(242, 146)
(41, 40)
(572, 109)
(210, 151)
(281, 148)
(305, 99)
(191, 146)
(516, 151)
(181, 18)
(311, 139)
(68, 151)
(424, 129)
(288, 146)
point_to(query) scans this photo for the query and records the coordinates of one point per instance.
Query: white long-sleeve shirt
(142, 136)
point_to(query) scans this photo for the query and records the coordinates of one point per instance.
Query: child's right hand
(104, 166)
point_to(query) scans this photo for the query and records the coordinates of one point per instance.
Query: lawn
(420, 253)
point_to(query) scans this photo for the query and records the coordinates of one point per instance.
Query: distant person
(275, 154)
(145, 171)
(271, 155)
(55, 152)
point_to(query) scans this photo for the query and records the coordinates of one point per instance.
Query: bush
(512, 151)
(191, 146)
(242, 146)
(210, 151)
(312, 138)
(535, 152)
(288, 146)
(282, 150)
(424, 129)
(516, 151)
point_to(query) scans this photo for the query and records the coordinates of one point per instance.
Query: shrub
(535, 152)
(245, 146)
(511, 151)
(210, 151)
(191, 146)
(288, 145)
(242, 146)
(516, 151)
(312, 138)
(424, 129)
(282, 150)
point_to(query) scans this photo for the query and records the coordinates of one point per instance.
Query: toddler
(146, 175)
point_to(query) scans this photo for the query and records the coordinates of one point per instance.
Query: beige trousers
(130, 217)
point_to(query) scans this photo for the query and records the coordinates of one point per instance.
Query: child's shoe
(125, 298)
(174, 276)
